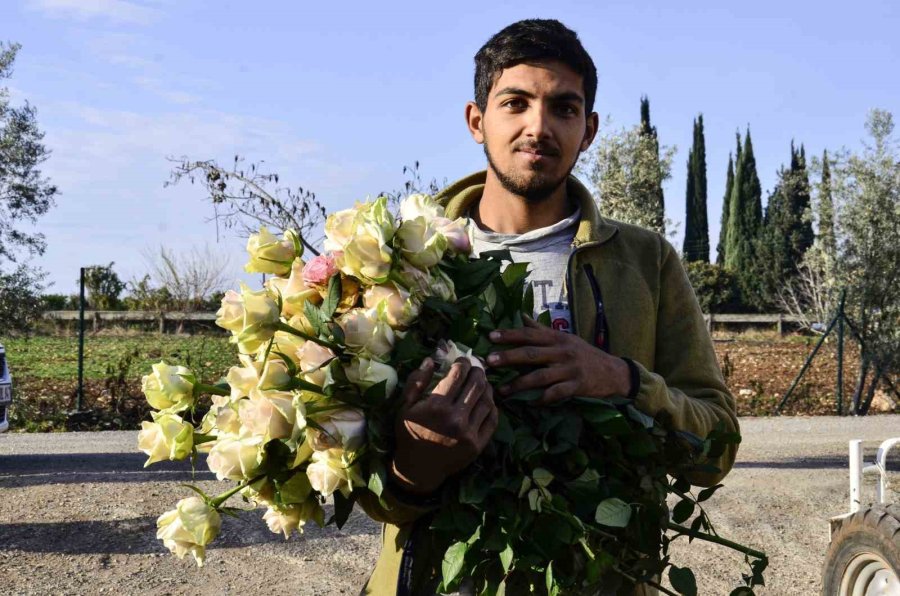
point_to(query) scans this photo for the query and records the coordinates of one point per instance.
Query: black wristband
(634, 376)
(411, 499)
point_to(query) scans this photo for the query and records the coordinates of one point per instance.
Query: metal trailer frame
(858, 469)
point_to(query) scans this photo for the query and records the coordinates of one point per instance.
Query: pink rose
(319, 270)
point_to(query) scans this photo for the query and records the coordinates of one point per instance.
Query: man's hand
(568, 365)
(440, 433)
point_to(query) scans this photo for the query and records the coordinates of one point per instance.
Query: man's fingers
(475, 384)
(542, 377)
(489, 423)
(538, 335)
(529, 322)
(417, 382)
(526, 355)
(452, 384)
(557, 392)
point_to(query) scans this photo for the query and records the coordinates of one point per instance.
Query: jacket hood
(459, 197)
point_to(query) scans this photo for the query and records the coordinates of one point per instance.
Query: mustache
(536, 147)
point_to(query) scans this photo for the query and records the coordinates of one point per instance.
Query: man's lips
(537, 153)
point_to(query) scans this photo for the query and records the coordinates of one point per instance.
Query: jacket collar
(460, 196)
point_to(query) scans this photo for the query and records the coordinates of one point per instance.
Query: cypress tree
(696, 237)
(726, 208)
(800, 231)
(744, 222)
(657, 198)
(826, 210)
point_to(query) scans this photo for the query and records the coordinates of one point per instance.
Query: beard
(533, 189)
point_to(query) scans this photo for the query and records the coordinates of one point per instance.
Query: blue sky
(339, 97)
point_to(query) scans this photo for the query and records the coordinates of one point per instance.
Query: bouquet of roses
(565, 498)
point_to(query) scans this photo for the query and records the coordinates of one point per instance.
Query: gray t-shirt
(547, 250)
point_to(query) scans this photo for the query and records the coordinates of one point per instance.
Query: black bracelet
(634, 376)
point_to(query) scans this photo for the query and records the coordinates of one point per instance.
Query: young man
(626, 321)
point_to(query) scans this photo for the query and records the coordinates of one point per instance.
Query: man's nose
(538, 126)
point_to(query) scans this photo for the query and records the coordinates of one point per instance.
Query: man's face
(534, 127)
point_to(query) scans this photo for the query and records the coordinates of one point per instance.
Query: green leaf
(313, 316)
(342, 508)
(542, 477)
(552, 588)
(707, 493)
(501, 254)
(683, 580)
(295, 490)
(682, 511)
(377, 478)
(544, 318)
(453, 562)
(613, 512)
(506, 557)
(513, 273)
(528, 301)
(329, 305)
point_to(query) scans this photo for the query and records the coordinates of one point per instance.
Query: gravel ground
(78, 512)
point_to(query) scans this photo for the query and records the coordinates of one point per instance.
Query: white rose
(366, 372)
(420, 205)
(168, 388)
(338, 228)
(168, 437)
(271, 414)
(287, 518)
(313, 362)
(421, 243)
(293, 291)
(365, 332)
(271, 374)
(330, 472)
(342, 429)
(396, 304)
(448, 352)
(268, 254)
(235, 458)
(458, 233)
(259, 316)
(367, 256)
(189, 528)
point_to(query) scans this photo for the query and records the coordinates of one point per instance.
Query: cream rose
(448, 352)
(330, 472)
(313, 362)
(421, 243)
(268, 254)
(294, 291)
(235, 458)
(342, 429)
(420, 205)
(272, 414)
(168, 437)
(169, 387)
(366, 333)
(258, 314)
(338, 229)
(366, 372)
(398, 307)
(189, 528)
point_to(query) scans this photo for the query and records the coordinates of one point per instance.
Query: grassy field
(758, 368)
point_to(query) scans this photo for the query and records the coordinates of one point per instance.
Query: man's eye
(515, 104)
(568, 110)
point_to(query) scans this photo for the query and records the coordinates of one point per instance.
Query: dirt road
(78, 513)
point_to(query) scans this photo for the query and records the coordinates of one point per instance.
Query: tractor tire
(864, 556)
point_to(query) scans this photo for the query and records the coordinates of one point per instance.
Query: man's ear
(590, 131)
(474, 120)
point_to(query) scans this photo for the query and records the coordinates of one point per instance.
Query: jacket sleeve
(686, 381)
(395, 506)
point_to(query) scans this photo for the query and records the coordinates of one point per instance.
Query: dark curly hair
(533, 40)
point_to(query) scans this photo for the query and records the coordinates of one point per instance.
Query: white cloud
(119, 11)
(158, 88)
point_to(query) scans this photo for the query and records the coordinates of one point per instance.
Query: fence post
(96, 321)
(162, 322)
(780, 324)
(80, 400)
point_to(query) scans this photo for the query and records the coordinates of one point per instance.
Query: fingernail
(494, 335)
(493, 358)
(426, 364)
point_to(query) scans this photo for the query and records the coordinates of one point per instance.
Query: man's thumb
(417, 381)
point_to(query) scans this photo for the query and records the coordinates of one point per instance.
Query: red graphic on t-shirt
(560, 324)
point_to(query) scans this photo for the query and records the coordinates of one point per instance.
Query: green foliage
(20, 299)
(744, 219)
(582, 484)
(785, 237)
(143, 296)
(715, 287)
(696, 230)
(626, 170)
(58, 302)
(103, 287)
(726, 208)
(25, 194)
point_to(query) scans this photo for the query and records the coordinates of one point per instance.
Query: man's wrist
(633, 380)
(402, 481)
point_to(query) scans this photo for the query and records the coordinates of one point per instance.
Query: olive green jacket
(653, 318)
